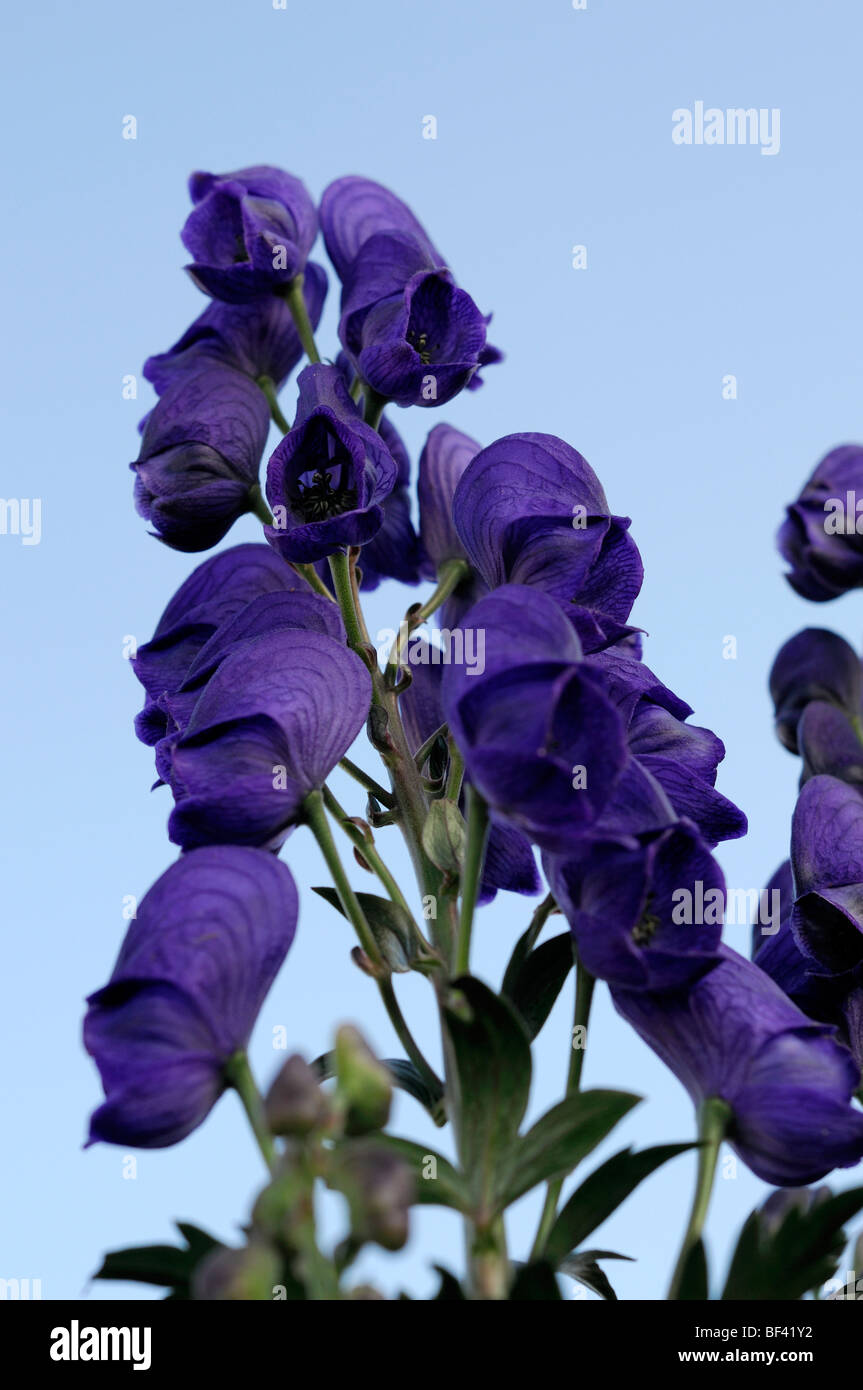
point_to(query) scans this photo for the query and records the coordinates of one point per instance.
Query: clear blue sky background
(554, 128)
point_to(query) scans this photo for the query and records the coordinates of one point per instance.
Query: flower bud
(295, 1103)
(363, 1083)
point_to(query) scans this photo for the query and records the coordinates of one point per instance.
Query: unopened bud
(295, 1103)
(364, 1085)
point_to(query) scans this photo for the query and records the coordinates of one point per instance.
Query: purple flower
(815, 664)
(259, 339)
(445, 457)
(214, 592)
(268, 727)
(541, 740)
(191, 976)
(197, 470)
(827, 865)
(249, 233)
(415, 337)
(682, 758)
(509, 862)
(328, 477)
(530, 510)
(788, 1081)
(822, 535)
(647, 916)
(829, 743)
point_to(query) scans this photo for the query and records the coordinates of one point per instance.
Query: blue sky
(554, 130)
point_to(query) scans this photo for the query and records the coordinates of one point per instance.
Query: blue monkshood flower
(268, 727)
(249, 233)
(202, 445)
(643, 917)
(328, 477)
(815, 664)
(293, 608)
(541, 740)
(788, 1081)
(822, 535)
(414, 336)
(827, 865)
(259, 339)
(191, 976)
(829, 743)
(509, 861)
(394, 551)
(777, 953)
(214, 592)
(530, 510)
(682, 758)
(444, 458)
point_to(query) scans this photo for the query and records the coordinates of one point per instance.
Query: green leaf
(535, 1282)
(444, 1186)
(802, 1253)
(444, 836)
(561, 1139)
(390, 925)
(170, 1266)
(582, 1266)
(404, 1075)
(491, 1081)
(601, 1194)
(694, 1286)
(534, 982)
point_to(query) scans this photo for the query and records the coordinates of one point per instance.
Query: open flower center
(644, 931)
(324, 494)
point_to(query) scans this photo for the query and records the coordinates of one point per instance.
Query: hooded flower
(788, 1081)
(269, 726)
(530, 510)
(415, 337)
(197, 470)
(259, 339)
(827, 865)
(249, 233)
(815, 664)
(192, 974)
(822, 535)
(643, 917)
(214, 592)
(682, 758)
(509, 861)
(541, 740)
(330, 474)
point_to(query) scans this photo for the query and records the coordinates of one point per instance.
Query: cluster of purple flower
(256, 688)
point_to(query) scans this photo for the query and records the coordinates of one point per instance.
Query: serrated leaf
(801, 1254)
(582, 1266)
(491, 1071)
(560, 1140)
(390, 925)
(444, 836)
(535, 982)
(444, 1186)
(601, 1194)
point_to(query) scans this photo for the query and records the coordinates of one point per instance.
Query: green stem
(311, 576)
(377, 791)
(300, 315)
(268, 386)
(367, 849)
(258, 505)
(316, 818)
(406, 1038)
(373, 407)
(541, 914)
(713, 1117)
(477, 838)
(584, 984)
(238, 1074)
(341, 573)
(450, 575)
